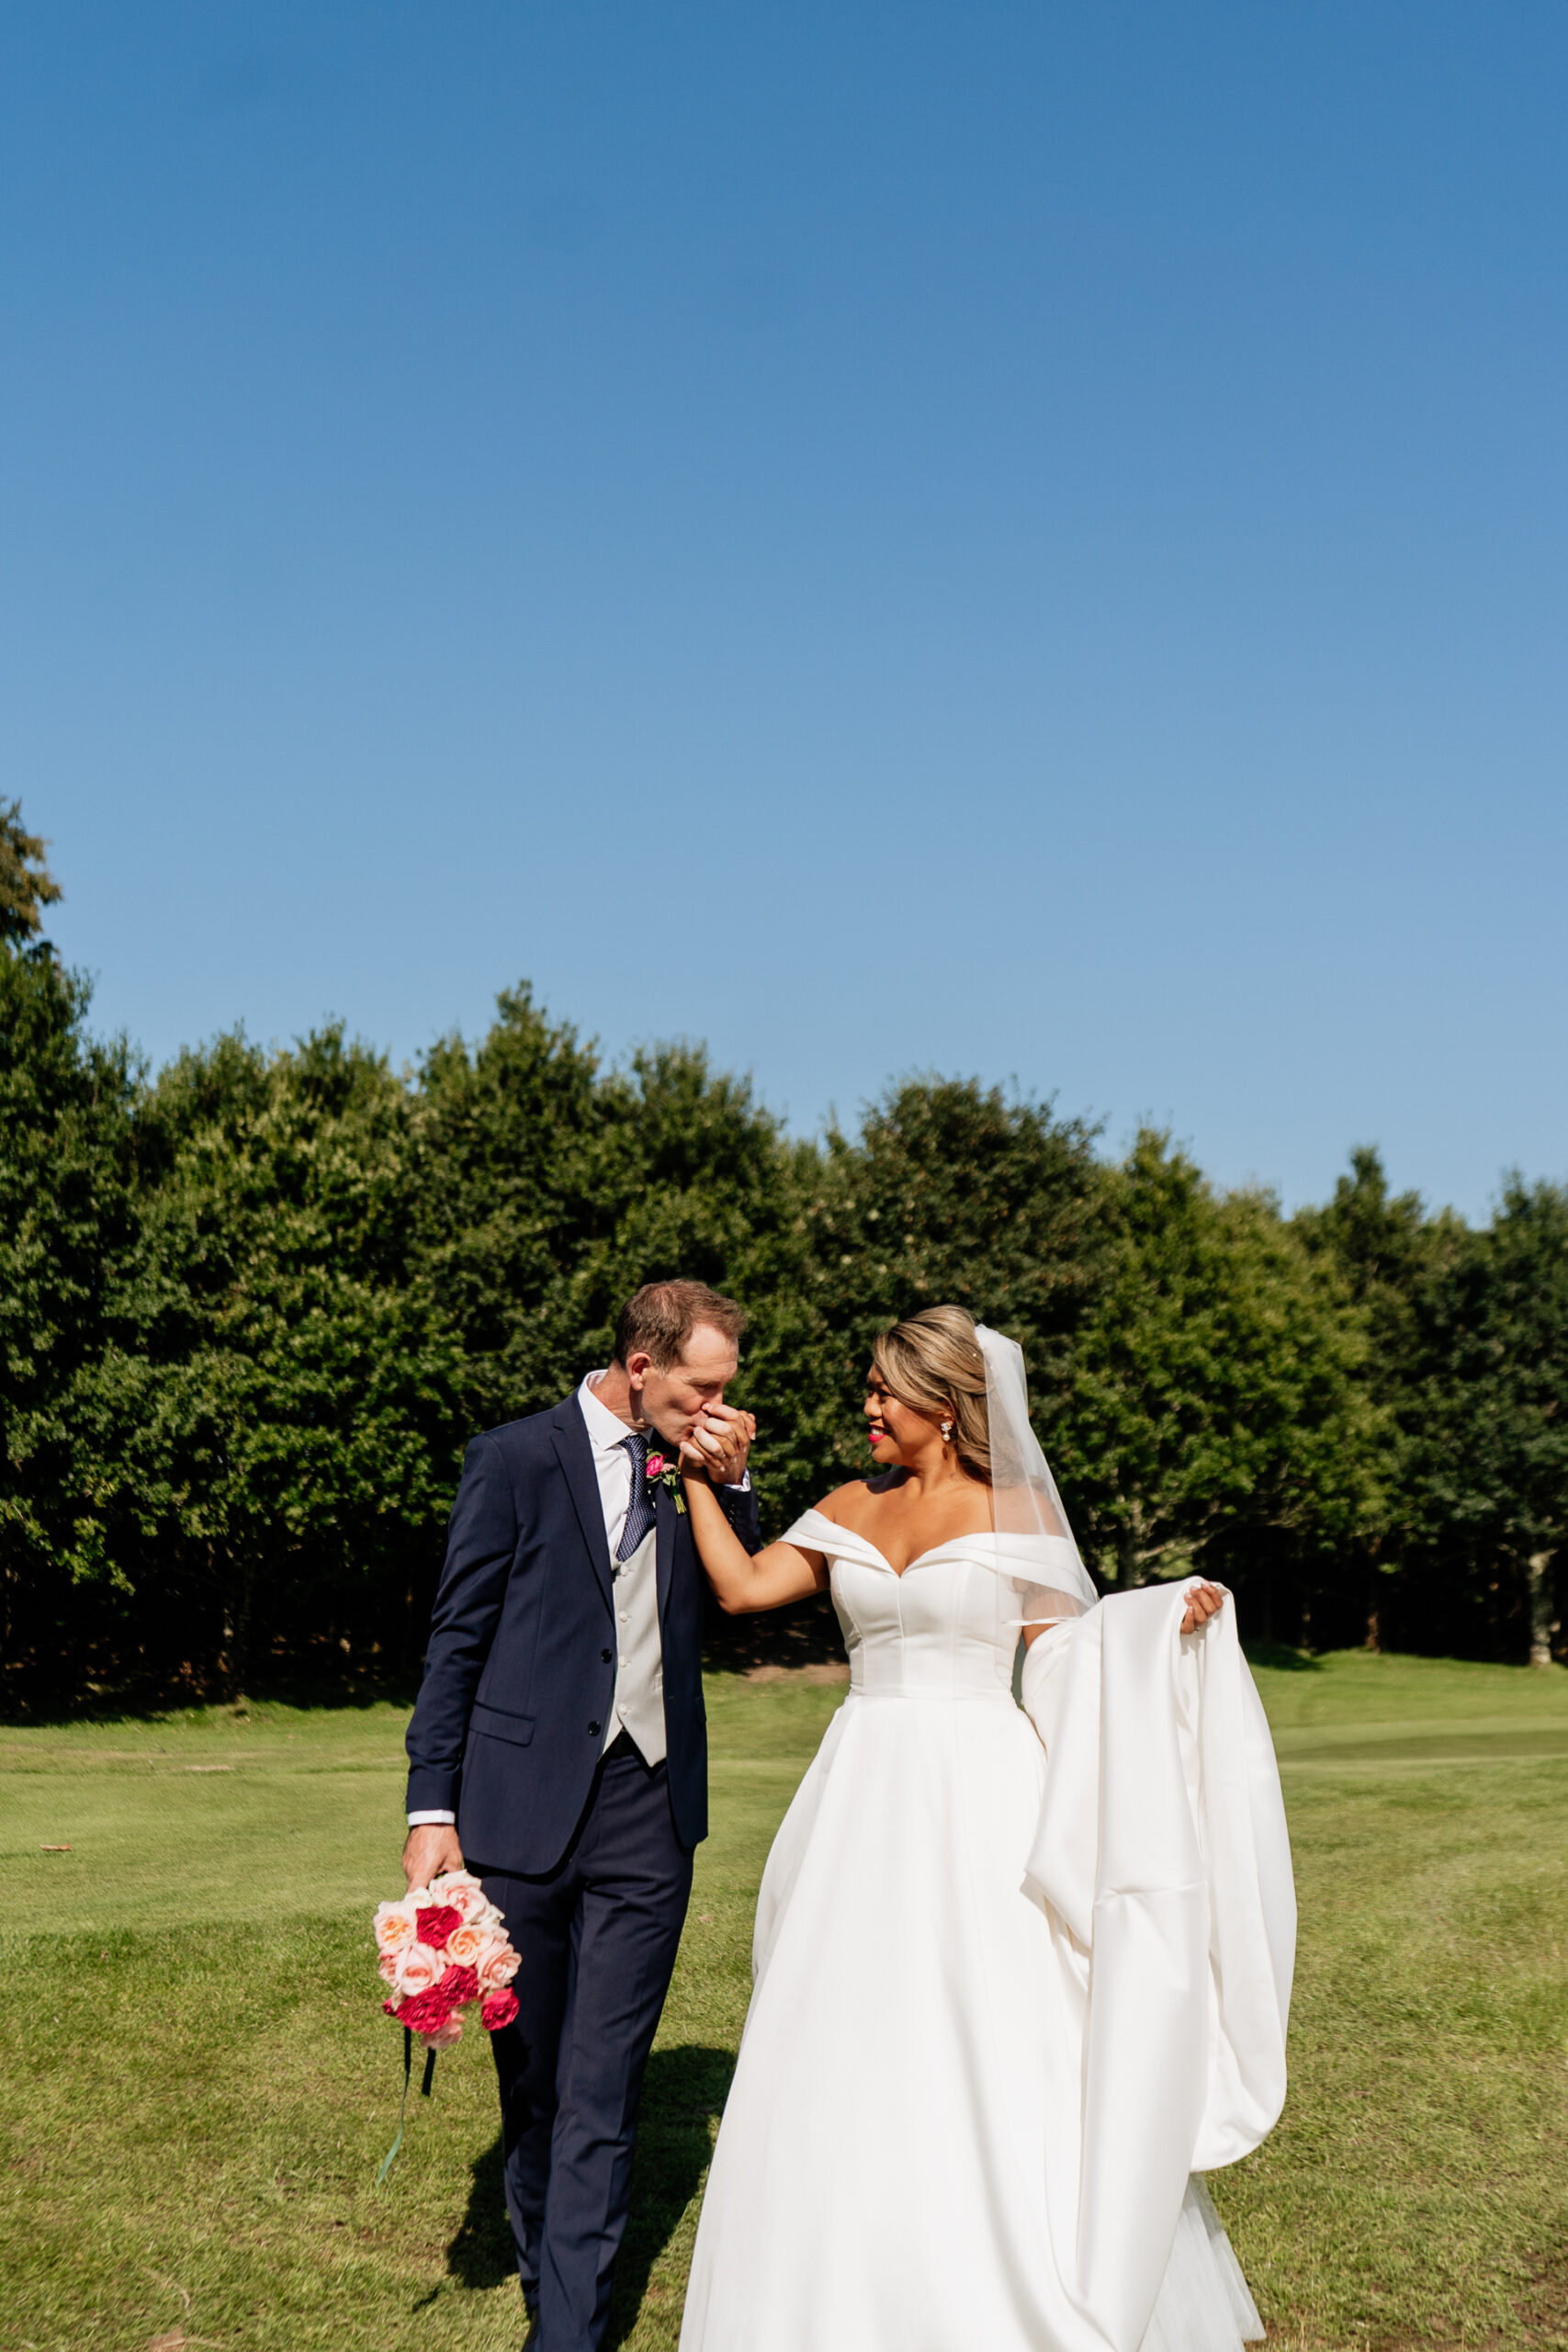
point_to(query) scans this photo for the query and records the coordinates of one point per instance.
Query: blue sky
(1015, 539)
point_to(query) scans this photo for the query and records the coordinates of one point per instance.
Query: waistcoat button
(593, 1730)
(605, 1657)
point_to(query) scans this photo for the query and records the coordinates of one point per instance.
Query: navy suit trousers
(598, 1936)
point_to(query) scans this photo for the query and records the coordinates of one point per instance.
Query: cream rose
(497, 1965)
(394, 1925)
(418, 1968)
(462, 1891)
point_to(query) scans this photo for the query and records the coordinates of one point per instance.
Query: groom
(559, 1744)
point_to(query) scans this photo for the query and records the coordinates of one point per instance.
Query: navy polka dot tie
(640, 1514)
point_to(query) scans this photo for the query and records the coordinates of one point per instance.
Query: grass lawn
(197, 2086)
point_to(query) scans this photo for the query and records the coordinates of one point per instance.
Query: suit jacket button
(604, 1656)
(593, 1730)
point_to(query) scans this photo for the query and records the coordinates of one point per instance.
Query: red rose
(499, 2009)
(434, 1927)
(423, 2012)
(458, 1985)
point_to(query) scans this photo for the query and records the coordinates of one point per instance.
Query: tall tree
(1486, 1471)
(278, 1419)
(951, 1193)
(1216, 1416)
(27, 886)
(66, 1207)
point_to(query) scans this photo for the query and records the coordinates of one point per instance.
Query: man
(559, 1743)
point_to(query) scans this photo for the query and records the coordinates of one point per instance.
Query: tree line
(252, 1306)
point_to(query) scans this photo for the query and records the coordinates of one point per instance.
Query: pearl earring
(946, 1432)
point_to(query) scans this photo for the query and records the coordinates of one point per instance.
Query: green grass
(198, 2086)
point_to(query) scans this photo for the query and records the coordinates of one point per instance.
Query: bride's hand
(719, 1446)
(1202, 1601)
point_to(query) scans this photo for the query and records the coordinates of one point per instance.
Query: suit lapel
(576, 1458)
(666, 1518)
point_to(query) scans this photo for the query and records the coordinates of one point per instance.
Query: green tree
(1217, 1417)
(26, 884)
(951, 1193)
(1387, 1250)
(548, 1189)
(278, 1417)
(1485, 1463)
(65, 1209)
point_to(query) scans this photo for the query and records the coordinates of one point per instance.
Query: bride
(1019, 1972)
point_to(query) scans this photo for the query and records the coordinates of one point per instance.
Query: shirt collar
(606, 1434)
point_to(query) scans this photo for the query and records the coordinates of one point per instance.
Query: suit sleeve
(738, 1505)
(481, 1545)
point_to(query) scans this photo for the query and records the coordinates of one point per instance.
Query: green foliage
(250, 1313)
(951, 1193)
(26, 884)
(1216, 1414)
(66, 1207)
(1486, 1457)
(278, 1412)
(1468, 1366)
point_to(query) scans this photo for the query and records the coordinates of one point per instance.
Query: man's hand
(431, 1849)
(720, 1444)
(1202, 1601)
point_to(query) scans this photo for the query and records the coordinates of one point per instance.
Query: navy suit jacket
(520, 1675)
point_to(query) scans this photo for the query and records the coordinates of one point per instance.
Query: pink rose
(387, 1966)
(656, 1466)
(497, 1964)
(442, 2036)
(465, 1945)
(394, 1925)
(435, 1925)
(498, 2009)
(418, 1969)
(461, 1892)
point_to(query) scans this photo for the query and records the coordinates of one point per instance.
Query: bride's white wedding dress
(914, 2156)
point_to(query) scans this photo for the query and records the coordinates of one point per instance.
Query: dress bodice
(946, 1628)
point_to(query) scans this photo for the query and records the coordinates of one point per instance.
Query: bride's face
(899, 1434)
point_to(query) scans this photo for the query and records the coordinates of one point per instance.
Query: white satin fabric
(919, 2151)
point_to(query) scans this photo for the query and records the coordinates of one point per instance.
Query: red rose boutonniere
(666, 1473)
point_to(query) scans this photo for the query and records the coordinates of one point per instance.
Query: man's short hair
(659, 1319)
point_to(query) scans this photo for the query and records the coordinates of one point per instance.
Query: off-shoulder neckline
(978, 1535)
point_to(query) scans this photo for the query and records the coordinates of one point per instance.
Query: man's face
(675, 1399)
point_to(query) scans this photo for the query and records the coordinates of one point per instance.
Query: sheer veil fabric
(1036, 1543)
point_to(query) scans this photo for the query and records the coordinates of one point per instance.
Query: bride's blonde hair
(932, 1361)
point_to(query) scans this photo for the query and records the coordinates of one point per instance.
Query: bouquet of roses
(442, 1947)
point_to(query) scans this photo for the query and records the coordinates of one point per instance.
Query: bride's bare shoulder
(846, 1505)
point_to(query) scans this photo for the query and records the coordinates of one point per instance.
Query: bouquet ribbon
(402, 2103)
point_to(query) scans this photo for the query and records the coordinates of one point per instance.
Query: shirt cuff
(743, 1488)
(425, 1820)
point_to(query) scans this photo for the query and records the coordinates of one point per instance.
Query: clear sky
(1024, 539)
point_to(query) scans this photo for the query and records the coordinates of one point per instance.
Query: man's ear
(639, 1364)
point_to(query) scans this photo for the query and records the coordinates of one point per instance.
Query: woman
(909, 2156)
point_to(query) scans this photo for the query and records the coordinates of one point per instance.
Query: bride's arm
(744, 1580)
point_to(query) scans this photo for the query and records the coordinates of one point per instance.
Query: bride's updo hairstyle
(931, 1363)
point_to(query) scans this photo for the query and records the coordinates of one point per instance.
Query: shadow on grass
(154, 1704)
(1282, 1660)
(683, 2095)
